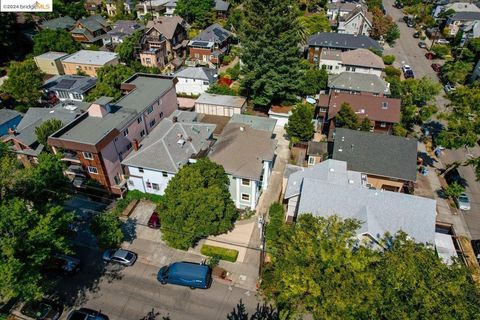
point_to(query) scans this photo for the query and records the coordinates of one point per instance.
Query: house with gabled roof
(358, 83)
(246, 150)
(68, 87)
(122, 29)
(221, 8)
(175, 142)
(195, 80)
(358, 60)
(170, 30)
(338, 41)
(61, 23)
(331, 188)
(90, 30)
(357, 22)
(388, 162)
(210, 45)
(382, 112)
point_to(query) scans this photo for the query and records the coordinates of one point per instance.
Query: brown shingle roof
(362, 57)
(367, 106)
(166, 25)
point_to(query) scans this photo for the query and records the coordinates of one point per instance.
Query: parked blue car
(188, 274)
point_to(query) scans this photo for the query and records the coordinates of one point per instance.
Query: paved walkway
(445, 214)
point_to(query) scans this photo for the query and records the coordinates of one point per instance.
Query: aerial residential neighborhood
(239, 159)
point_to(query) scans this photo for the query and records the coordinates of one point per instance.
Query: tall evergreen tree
(270, 55)
(346, 118)
(300, 126)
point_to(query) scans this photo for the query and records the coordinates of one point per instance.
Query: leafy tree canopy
(109, 79)
(107, 229)
(24, 82)
(126, 49)
(196, 204)
(456, 72)
(198, 12)
(318, 267)
(313, 23)
(222, 89)
(46, 129)
(300, 126)
(313, 80)
(346, 118)
(271, 34)
(54, 40)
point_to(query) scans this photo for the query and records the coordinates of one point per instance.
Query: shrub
(220, 253)
(135, 195)
(107, 228)
(453, 190)
(441, 50)
(234, 72)
(388, 59)
(276, 215)
(392, 72)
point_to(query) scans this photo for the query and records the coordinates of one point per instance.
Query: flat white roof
(445, 247)
(91, 57)
(52, 55)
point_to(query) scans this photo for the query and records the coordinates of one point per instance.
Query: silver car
(120, 256)
(463, 202)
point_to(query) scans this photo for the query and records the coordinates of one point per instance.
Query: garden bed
(222, 253)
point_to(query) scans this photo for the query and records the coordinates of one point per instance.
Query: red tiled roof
(366, 106)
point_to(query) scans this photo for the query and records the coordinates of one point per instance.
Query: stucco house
(175, 142)
(195, 80)
(331, 188)
(246, 151)
(50, 62)
(88, 61)
(220, 105)
(358, 60)
(387, 162)
(97, 141)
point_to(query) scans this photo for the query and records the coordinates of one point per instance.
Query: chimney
(136, 146)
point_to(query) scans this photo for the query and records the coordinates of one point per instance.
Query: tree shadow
(129, 230)
(154, 315)
(433, 127)
(427, 160)
(262, 312)
(74, 290)
(454, 176)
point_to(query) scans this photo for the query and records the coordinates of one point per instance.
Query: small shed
(220, 105)
(281, 114)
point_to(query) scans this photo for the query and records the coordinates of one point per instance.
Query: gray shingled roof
(242, 152)
(70, 83)
(93, 23)
(125, 28)
(170, 145)
(257, 123)
(213, 33)
(7, 115)
(65, 22)
(221, 5)
(221, 100)
(377, 154)
(471, 16)
(329, 188)
(352, 81)
(342, 41)
(379, 211)
(200, 73)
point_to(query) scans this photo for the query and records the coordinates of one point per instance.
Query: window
(142, 133)
(155, 186)
(131, 183)
(77, 96)
(129, 146)
(353, 69)
(206, 83)
(164, 174)
(140, 169)
(348, 69)
(63, 94)
(92, 170)
(150, 110)
(148, 184)
(125, 133)
(148, 60)
(140, 119)
(311, 161)
(245, 182)
(117, 179)
(329, 67)
(161, 114)
(87, 155)
(383, 124)
(337, 67)
(152, 123)
(245, 197)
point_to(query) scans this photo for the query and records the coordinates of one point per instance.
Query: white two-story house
(358, 61)
(195, 80)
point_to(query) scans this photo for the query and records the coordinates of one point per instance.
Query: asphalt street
(130, 293)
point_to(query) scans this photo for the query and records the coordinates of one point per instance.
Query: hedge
(222, 253)
(276, 214)
(135, 195)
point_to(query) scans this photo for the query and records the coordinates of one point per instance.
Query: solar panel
(65, 84)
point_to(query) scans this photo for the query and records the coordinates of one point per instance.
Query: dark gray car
(120, 256)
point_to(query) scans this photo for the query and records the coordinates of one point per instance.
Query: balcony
(70, 156)
(76, 171)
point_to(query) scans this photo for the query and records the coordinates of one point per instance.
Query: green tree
(54, 40)
(196, 204)
(300, 126)
(109, 79)
(24, 82)
(380, 23)
(198, 12)
(270, 36)
(453, 190)
(388, 59)
(456, 72)
(418, 92)
(440, 50)
(46, 129)
(365, 125)
(221, 89)
(126, 49)
(346, 118)
(28, 238)
(313, 81)
(392, 34)
(275, 226)
(235, 20)
(313, 23)
(107, 229)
